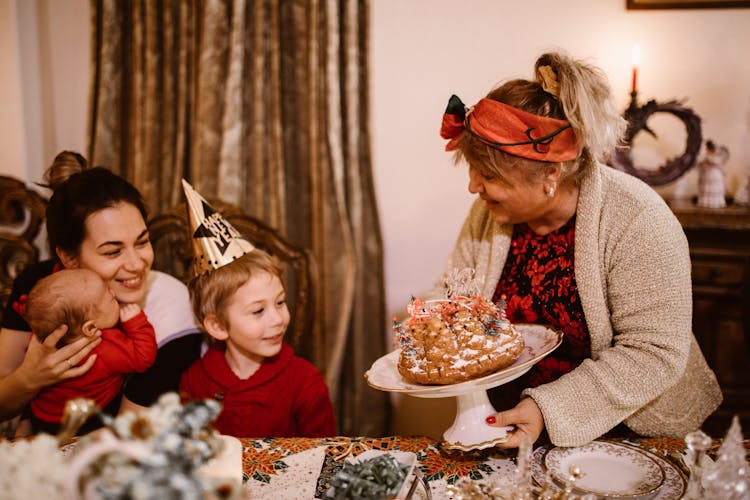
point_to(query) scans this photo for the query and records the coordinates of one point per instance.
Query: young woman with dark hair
(95, 220)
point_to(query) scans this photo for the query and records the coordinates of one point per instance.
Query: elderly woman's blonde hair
(566, 89)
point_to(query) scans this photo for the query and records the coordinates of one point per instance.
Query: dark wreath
(637, 116)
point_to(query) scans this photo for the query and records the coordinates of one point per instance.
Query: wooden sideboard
(720, 252)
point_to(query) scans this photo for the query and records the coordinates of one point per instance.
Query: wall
(425, 50)
(44, 46)
(421, 52)
(13, 158)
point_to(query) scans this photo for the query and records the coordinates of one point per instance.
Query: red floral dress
(539, 285)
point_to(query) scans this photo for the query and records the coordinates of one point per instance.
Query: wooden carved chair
(173, 253)
(22, 213)
(21, 218)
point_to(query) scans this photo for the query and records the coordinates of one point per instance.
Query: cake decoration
(462, 283)
(417, 309)
(456, 338)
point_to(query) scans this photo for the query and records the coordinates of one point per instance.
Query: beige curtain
(263, 104)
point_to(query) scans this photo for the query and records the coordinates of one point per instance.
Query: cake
(452, 340)
(168, 450)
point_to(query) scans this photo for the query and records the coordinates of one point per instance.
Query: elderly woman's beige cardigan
(632, 268)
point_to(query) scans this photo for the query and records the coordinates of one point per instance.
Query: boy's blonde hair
(59, 299)
(210, 293)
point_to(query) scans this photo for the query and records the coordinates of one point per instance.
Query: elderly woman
(589, 250)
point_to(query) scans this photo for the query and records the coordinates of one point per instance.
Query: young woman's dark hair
(79, 191)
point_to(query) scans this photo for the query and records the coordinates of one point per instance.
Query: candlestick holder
(637, 117)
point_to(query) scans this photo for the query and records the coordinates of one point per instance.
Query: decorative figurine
(729, 477)
(711, 182)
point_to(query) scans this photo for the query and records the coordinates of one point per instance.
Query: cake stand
(469, 430)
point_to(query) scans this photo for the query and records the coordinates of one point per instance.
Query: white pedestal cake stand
(469, 430)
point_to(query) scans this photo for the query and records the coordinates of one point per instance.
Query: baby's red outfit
(120, 352)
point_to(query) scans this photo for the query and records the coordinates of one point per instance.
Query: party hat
(215, 241)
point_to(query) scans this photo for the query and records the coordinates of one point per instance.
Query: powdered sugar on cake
(452, 340)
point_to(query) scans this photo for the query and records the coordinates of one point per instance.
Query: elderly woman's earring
(551, 192)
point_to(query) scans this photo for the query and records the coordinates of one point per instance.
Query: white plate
(609, 469)
(540, 340)
(674, 481)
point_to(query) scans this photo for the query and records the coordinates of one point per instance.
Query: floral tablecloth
(300, 468)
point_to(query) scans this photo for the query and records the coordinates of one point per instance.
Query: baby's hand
(129, 311)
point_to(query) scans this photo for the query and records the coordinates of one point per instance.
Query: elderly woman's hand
(45, 364)
(526, 417)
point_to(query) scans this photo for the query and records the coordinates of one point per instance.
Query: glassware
(697, 443)
(728, 478)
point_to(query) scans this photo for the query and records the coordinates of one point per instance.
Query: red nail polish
(491, 419)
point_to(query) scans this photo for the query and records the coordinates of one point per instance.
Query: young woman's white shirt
(168, 307)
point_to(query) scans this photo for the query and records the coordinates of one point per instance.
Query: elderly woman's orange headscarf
(511, 130)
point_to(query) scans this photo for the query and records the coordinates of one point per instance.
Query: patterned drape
(263, 104)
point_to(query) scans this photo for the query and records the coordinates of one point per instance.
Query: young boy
(80, 299)
(238, 297)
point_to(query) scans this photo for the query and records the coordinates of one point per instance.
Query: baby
(265, 390)
(80, 299)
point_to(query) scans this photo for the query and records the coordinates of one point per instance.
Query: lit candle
(636, 60)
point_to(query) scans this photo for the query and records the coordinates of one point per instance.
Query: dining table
(302, 468)
(289, 468)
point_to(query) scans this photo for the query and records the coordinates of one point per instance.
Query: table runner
(302, 467)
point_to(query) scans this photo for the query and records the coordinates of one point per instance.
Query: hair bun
(65, 165)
